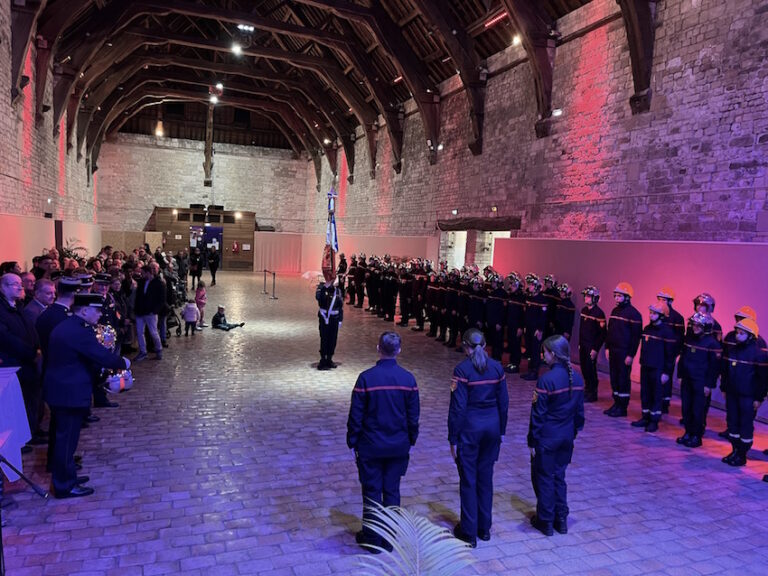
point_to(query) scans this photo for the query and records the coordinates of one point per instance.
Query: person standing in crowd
(330, 314)
(557, 416)
(552, 297)
(592, 333)
(477, 420)
(536, 313)
(351, 271)
(360, 273)
(44, 293)
(495, 315)
(625, 327)
(382, 426)
(515, 321)
(191, 316)
(201, 299)
(657, 362)
(195, 266)
(28, 283)
(150, 301)
(182, 265)
(75, 359)
(213, 263)
(676, 322)
(698, 370)
(19, 346)
(566, 312)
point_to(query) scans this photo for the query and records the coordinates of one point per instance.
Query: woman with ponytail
(557, 415)
(477, 419)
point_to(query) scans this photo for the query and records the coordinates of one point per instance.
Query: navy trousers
(588, 372)
(620, 381)
(548, 478)
(68, 424)
(694, 406)
(380, 480)
(328, 335)
(651, 392)
(740, 415)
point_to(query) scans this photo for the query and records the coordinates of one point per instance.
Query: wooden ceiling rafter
(640, 22)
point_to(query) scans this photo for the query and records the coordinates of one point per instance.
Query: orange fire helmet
(624, 288)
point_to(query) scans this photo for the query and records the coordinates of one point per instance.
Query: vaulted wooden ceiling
(307, 74)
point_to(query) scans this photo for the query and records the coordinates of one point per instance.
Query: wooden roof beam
(24, 16)
(640, 21)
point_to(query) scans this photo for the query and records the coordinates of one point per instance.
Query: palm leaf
(419, 547)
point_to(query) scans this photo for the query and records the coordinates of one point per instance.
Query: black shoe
(619, 412)
(367, 542)
(611, 410)
(728, 457)
(543, 527)
(323, 365)
(459, 533)
(765, 478)
(693, 442)
(765, 451)
(332, 364)
(484, 535)
(723, 434)
(652, 426)
(642, 423)
(91, 419)
(76, 492)
(165, 344)
(561, 525)
(107, 405)
(83, 479)
(665, 408)
(512, 369)
(78, 459)
(684, 439)
(738, 460)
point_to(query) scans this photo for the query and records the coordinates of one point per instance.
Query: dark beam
(640, 21)
(472, 71)
(24, 15)
(539, 37)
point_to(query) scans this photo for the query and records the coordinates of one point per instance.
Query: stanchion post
(264, 291)
(273, 297)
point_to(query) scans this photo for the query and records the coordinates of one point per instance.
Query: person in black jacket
(744, 383)
(351, 271)
(382, 426)
(592, 332)
(150, 303)
(195, 266)
(625, 327)
(551, 294)
(495, 315)
(214, 259)
(477, 419)
(75, 356)
(675, 321)
(219, 321)
(698, 370)
(515, 321)
(557, 416)
(536, 310)
(657, 362)
(565, 313)
(360, 272)
(330, 315)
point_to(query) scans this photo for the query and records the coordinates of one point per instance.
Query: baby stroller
(172, 320)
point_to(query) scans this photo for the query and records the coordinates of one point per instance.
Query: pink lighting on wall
(62, 183)
(28, 128)
(341, 201)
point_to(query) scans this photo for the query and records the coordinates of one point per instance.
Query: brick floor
(228, 457)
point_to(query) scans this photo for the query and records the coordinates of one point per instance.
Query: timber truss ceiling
(310, 72)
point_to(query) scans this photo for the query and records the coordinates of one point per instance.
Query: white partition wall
(23, 237)
(83, 234)
(277, 252)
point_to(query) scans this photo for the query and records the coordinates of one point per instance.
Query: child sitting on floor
(220, 321)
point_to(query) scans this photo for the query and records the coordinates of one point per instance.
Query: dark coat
(471, 392)
(625, 327)
(54, 315)
(557, 414)
(150, 299)
(18, 340)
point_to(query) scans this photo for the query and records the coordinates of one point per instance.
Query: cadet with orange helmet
(657, 362)
(592, 334)
(675, 321)
(744, 384)
(625, 327)
(698, 368)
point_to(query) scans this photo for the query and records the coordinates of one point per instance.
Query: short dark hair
(389, 343)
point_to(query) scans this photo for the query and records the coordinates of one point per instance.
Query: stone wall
(138, 172)
(693, 168)
(35, 165)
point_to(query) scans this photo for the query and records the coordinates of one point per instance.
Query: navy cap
(69, 284)
(90, 300)
(102, 279)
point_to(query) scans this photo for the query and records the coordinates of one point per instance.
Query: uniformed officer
(515, 321)
(592, 333)
(565, 313)
(744, 383)
(430, 303)
(705, 303)
(75, 357)
(477, 419)
(405, 293)
(330, 314)
(351, 272)
(451, 301)
(552, 297)
(625, 327)
(675, 321)
(418, 297)
(383, 424)
(109, 317)
(495, 315)
(360, 273)
(657, 362)
(557, 416)
(536, 309)
(698, 370)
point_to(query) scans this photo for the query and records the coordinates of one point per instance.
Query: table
(14, 428)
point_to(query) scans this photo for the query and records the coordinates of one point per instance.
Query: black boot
(727, 458)
(461, 535)
(683, 439)
(561, 525)
(543, 527)
(642, 422)
(693, 442)
(740, 457)
(611, 410)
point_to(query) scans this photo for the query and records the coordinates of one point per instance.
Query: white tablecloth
(14, 428)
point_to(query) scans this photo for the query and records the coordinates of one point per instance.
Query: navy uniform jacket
(18, 340)
(471, 390)
(717, 330)
(476, 307)
(659, 346)
(729, 342)
(324, 296)
(564, 316)
(744, 367)
(74, 357)
(700, 359)
(495, 306)
(384, 414)
(676, 322)
(54, 315)
(592, 328)
(516, 310)
(552, 297)
(557, 414)
(536, 313)
(624, 329)
(451, 300)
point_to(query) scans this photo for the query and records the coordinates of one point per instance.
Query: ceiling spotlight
(237, 49)
(495, 20)
(207, 224)
(214, 99)
(326, 141)
(159, 129)
(516, 40)
(245, 28)
(238, 215)
(454, 211)
(219, 86)
(557, 112)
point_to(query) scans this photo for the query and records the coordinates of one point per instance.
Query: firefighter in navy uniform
(565, 313)
(330, 315)
(462, 306)
(592, 333)
(360, 273)
(405, 291)
(382, 426)
(477, 419)
(476, 308)
(536, 309)
(75, 356)
(451, 307)
(442, 311)
(625, 327)
(698, 370)
(515, 321)
(351, 272)
(557, 416)
(109, 317)
(675, 321)
(657, 363)
(430, 304)
(552, 295)
(418, 297)
(705, 304)
(495, 315)
(744, 383)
